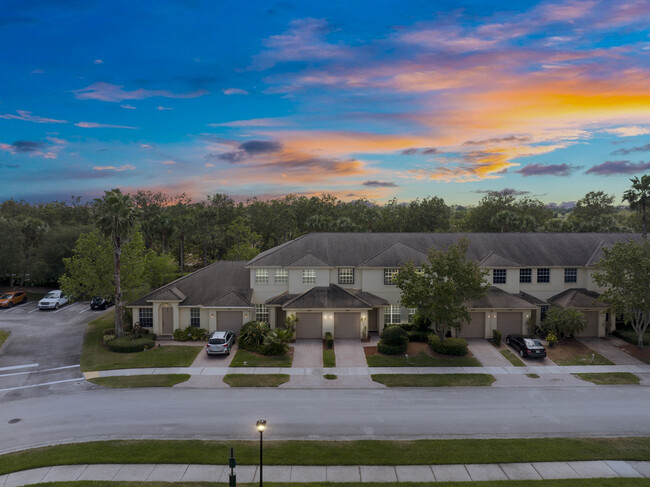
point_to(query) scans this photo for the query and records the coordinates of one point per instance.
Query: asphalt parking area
(43, 351)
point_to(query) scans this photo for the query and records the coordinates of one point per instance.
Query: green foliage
(450, 346)
(191, 333)
(496, 338)
(11, 249)
(273, 348)
(442, 286)
(159, 269)
(329, 340)
(638, 196)
(386, 349)
(127, 344)
(244, 242)
(419, 336)
(394, 335)
(551, 339)
(421, 322)
(252, 335)
(329, 358)
(564, 322)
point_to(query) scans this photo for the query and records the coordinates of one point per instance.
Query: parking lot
(42, 353)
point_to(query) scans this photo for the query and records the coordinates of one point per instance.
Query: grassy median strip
(159, 380)
(96, 356)
(512, 358)
(420, 360)
(3, 336)
(255, 380)
(329, 358)
(366, 452)
(610, 378)
(433, 380)
(331, 376)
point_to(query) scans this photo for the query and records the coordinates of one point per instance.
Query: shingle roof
(577, 298)
(212, 283)
(525, 249)
(396, 254)
(494, 259)
(331, 296)
(308, 261)
(280, 299)
(232, 299)
(531, 299)
(498, 298)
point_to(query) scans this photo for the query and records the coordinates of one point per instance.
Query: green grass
(329, 358)
(97, 357)
(533, 376)
(255, 380)
(584, 359)
(331, 376)
(365, 452)
(512, 358)
(615, 482)
(3, 336)
(433, 380)
(161, 380)
(630, 336)
(420, 360)
(610, 378)
(244, 358)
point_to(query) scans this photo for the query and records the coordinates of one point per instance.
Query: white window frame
(145, 317)
(309, 276)
(346, 275)
(571, 274)
(281, 276)
(195, 317)
(528, 275)
(393, 314)
(261, 276)
(389, 275)
(262, 313)
(547, 273)
(501, 278)
(411, 314)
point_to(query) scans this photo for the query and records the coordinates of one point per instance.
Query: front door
(167, 314)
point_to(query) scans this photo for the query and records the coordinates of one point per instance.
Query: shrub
(496, 338)
(252, 335)
(273, 348)
(190, 333)
(551, 339)
(419, 336)
(127, 344)
(421, 322)
(450, 346)
(394, 335)
(406, 326)
(329, 340)
(564, 322)
(391, 349)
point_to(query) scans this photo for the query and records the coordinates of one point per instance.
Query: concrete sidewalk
(362, 473)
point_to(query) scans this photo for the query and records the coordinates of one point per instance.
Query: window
(195, 317)
(542, 311)
(309, 276)
(389, 275)
(544, 275)
(392, 315)
(571, 274)
(261, 276)
(261, 313)
(146, 317)
(281, 276)
(526, 275)
(411, 314)
(346, 276)
(499, 276)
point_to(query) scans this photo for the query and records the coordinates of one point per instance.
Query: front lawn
(255, 380)
(610, 378)
(244, 358)
(95, 356)
(570, 351)
(158, 380)
(3, 336)
(329, 358)
(433, 380)
(512, 358)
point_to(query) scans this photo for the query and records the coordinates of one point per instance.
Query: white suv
(220, 343)
(53, 300)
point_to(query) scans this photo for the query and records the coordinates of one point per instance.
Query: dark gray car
(528, 347)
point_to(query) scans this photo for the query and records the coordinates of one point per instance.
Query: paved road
(325, 414)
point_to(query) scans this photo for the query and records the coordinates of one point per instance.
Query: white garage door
(309, 325)
(509, 322)
(475, 328)
(346, 325)
(591, 330)
(229, 320)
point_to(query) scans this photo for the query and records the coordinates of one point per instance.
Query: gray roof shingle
(332, 296)
(499, 299)
(577, 298)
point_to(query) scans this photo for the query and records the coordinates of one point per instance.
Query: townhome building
(344, 283)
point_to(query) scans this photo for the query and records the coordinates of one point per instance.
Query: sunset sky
(374, 99)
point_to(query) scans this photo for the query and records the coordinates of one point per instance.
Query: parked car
(220, 343)
(7, 300)
(53, 300)
(100, 303)
(528, 347)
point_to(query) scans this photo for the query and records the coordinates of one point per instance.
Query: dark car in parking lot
(99, 303)
(528, 347)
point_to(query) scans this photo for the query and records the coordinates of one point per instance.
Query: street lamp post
(261, 426)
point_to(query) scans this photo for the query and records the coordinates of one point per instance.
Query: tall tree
(625, 272)
(638, 198)
(33, 229)
(115, 217)
(443, 286)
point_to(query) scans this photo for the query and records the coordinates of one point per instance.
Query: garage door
(591, 330)
(309, 325)
(475, 328)
(229, 320)
(346, 325)
(509, 322)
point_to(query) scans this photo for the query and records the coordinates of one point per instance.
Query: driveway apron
(608, 348)
(486, 353)
(349, 353)
(308, 353)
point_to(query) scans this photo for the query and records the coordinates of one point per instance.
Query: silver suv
(220, 343)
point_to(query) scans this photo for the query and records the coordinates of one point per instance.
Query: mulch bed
(566, 349)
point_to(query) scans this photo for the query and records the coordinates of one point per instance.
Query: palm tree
(115, 217)
(638, 197)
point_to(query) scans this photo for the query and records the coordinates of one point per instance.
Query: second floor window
(499, 276)
(195, 317)
(346, 276)
(261, 276)
(544, 275)
(309, 276)
(261, 313)
(281, 276)
(392, 315)
(526, 275)
(389, 275)
(571, 274)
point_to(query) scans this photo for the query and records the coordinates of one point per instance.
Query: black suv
(99, 303)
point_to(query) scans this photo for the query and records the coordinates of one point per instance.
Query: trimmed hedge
(128, 345)
(391, 349)
(496, 338)
(273, 349)
(191, 333)
(450, 346)
(329, 340)
(394, 335)
(419, 336)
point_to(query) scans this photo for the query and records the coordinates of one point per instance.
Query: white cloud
(629, 131)
(128, 107)
(28, 117)
(98, 61)
(161, 108)
(93, 125)
(235, 91)
(125, 167)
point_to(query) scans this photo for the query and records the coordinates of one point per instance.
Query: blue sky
(358, 99)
